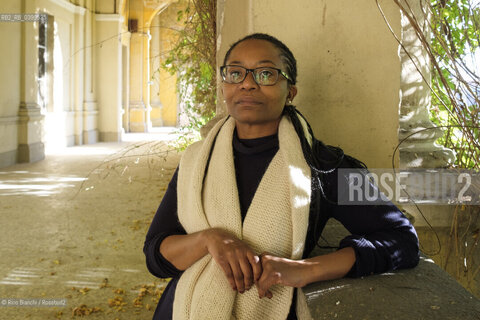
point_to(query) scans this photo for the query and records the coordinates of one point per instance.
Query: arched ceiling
(150, 8)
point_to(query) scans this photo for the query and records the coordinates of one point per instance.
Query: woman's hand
(276, 270)
(239, 262)
(299, 273)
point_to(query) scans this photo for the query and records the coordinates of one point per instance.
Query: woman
(247, 204)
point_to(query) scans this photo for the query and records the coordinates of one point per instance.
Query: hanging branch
(453, 39)
(193, 60)
(452, 45)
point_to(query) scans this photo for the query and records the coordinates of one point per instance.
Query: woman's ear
(292, 92)
(223, 95)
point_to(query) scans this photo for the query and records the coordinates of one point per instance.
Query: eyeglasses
(263, 76)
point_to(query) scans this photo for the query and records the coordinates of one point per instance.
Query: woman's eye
(234, 75)
(266, 75)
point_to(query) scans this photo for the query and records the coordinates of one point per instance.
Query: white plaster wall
(70, 127)
(8, 134)
(348, 66)
(63, 68)
(10, 33)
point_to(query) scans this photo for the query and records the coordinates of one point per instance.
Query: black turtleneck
(252, 157)
(382, 237)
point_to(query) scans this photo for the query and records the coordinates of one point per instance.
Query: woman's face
(249, 103)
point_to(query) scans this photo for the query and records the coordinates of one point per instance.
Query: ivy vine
(455, 42)
(193, 61)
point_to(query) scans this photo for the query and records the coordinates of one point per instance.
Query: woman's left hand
(299, 273)
(276, 270)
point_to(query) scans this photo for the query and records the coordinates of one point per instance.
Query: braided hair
(322, 159)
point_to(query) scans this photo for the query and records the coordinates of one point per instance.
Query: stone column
(126, 79)
(30, 127)
(419, 150)
(108, 67)
(78, 74)
(138, 113)
(155, 58)
(90, 112)
(138, 108)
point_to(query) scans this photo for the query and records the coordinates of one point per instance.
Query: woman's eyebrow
(266, 61)
(259, 62)
(234, 63)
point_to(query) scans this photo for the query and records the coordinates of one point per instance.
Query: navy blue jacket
(382, 237)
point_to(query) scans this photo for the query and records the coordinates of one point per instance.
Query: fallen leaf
(119, 291)
(138, 302)
(84, 290)
(83, 310)
(117, 301)
(104, 283)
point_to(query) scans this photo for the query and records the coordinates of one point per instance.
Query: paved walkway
(73, 227)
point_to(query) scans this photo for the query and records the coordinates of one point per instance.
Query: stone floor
(73, 228)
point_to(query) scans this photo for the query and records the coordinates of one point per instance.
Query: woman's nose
(249, 82)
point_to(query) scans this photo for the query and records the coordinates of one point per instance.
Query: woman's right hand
(239, 262)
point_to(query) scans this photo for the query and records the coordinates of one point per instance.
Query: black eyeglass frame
(280, 72)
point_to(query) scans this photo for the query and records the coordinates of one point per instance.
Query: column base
(440, 158)
(90, 136)
(138, 117)
(138, 127)
(31, 152)
(156, 114)
(420, 149)
(110, 136)
(30, 133)
(157, 123)
(70, 140)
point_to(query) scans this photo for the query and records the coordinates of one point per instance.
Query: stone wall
(348, 66)
(10, 33)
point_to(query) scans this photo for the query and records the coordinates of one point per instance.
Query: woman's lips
(248, 101)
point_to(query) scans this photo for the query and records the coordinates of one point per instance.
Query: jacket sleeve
(382, 237)
(164, 224)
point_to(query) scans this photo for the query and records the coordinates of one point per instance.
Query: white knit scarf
(276, 222)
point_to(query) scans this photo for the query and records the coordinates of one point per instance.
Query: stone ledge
(425, 292)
